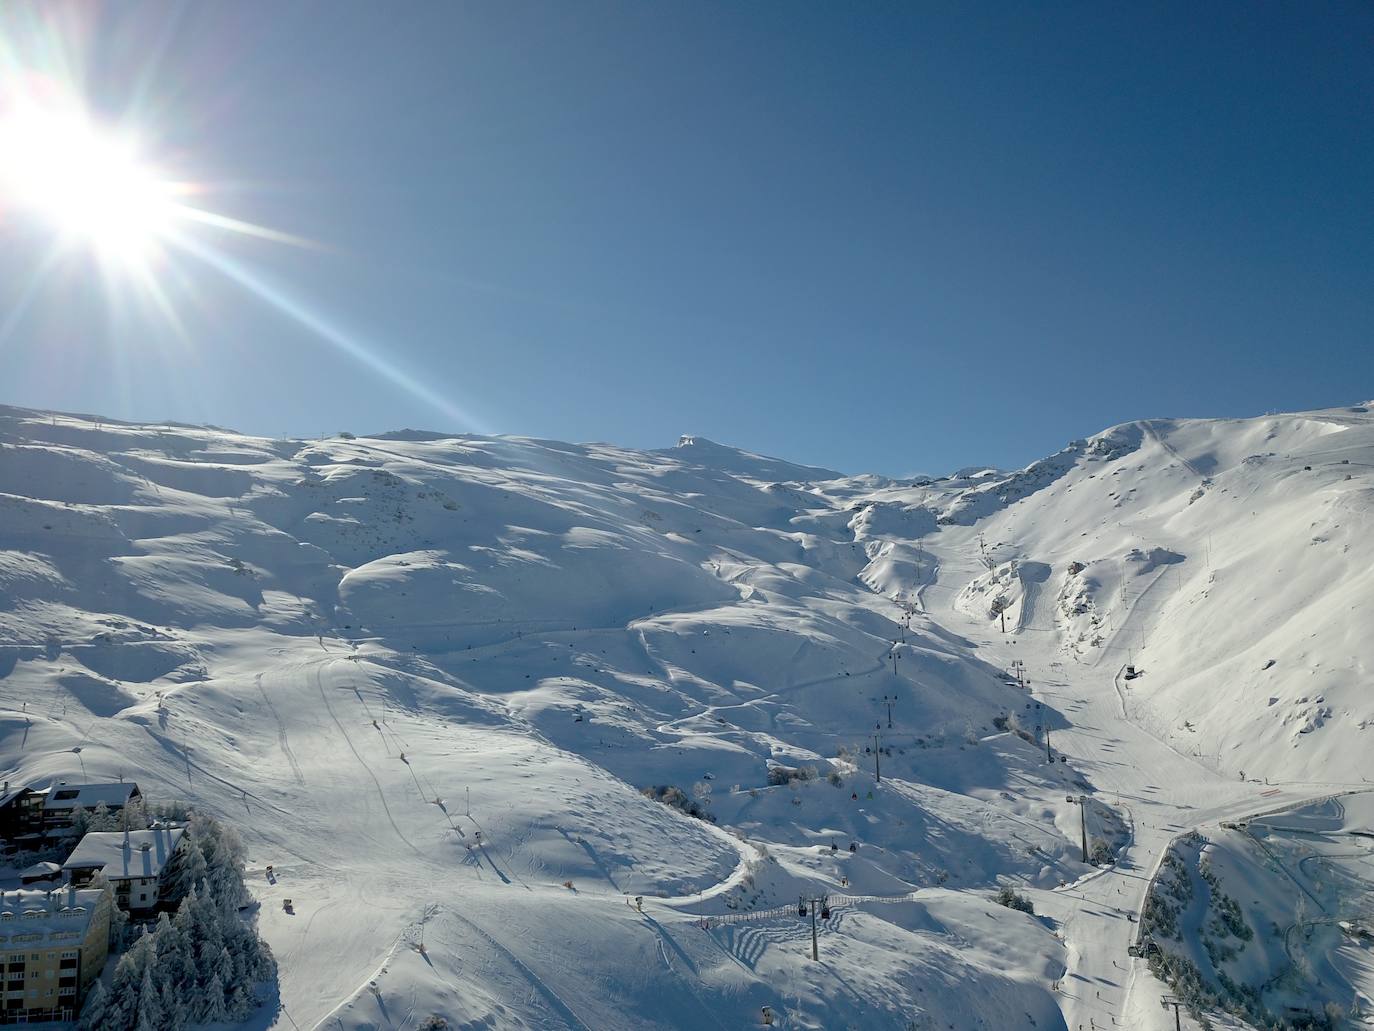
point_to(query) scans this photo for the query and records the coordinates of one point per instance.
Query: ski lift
(286, 905)
(825, 910)
(801, 907)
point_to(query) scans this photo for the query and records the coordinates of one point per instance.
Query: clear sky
(887, 237)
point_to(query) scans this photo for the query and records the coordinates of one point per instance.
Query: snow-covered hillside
(1228, 560)
(431, 680)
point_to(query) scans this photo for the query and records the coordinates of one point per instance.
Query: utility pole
(889, 701)
(1082, 802)
(1049, 755)
(894, 658)
(877, 764)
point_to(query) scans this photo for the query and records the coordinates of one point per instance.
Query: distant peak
(743, 463)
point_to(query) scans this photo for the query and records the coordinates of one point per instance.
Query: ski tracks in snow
(551, 998)
(282, 741)
(381, 794)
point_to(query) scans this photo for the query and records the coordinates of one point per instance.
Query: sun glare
(89, 183)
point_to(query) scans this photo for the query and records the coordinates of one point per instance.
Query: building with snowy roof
(40, 874)
(134, 862)
(53, 944)
(63, 799)
(21, 813)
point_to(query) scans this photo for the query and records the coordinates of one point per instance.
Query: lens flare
(106, 189)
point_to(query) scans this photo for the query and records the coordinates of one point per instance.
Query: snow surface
(428, 676)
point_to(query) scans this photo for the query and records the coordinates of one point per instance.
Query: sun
(89, 182)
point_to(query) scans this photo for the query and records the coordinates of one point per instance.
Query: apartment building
(53, 944)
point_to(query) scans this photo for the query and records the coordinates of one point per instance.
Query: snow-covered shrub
(1013, 900)
(673, 796)
(779, 775)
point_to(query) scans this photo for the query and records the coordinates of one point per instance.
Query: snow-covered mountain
(467, 691)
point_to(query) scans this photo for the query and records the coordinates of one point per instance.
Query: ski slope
(428, 677)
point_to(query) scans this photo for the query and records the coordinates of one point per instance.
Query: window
(66, 794)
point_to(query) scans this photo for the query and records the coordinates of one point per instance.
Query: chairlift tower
(1166, 1001)
(1082, 802)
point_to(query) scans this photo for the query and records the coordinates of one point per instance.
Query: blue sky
(887, 237)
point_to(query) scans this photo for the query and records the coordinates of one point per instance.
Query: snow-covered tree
(81, 822)
(175, 970)
(100, 818)
(134, 816)
(203, 926)
(149, 1014)
(212, 1001)
(188, 870)
(201, 965)
(94, 1012)
(121, 1009)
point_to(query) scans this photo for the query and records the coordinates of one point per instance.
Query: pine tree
(206, 935)
(175, 958)
(238, 999)
(122, 1003)
(94, 1012)
(190, 870)
(134, 816)
(175, 1011)
(213, 1003)
(149, 1012)
(81, 822)
(100, 818)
